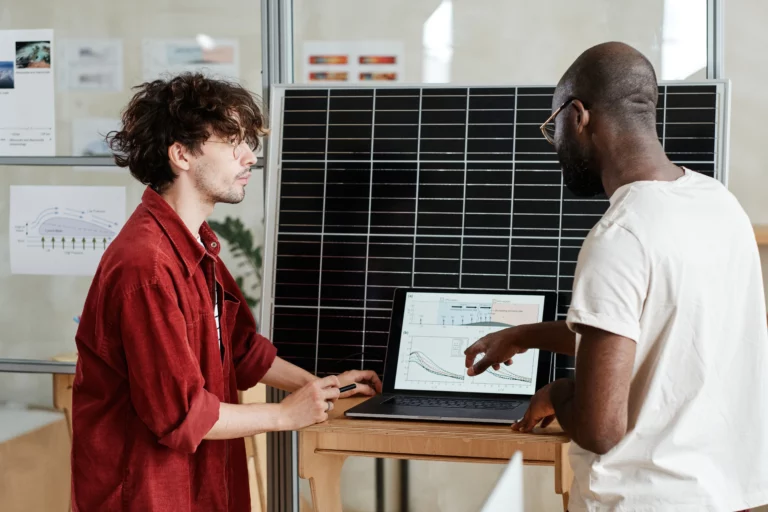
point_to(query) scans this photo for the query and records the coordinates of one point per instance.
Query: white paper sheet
(27, 115)
(90, 65)
(63, 230)
(353, 61)
(217, 58)
(89, 139)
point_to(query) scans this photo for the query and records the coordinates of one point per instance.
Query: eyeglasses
(548, 127)
(237, 147)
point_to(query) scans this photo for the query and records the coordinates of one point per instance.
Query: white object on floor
(507, 495)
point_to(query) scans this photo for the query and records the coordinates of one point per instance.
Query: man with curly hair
(166, 338)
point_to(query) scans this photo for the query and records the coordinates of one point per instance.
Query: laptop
(424, 373)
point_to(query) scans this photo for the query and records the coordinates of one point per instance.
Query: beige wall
(495, 41)
(745, 65)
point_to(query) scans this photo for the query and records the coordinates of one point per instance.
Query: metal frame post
(276, 53)
(277, 68)
(715, 39)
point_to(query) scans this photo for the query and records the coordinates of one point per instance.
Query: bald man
(668, 410)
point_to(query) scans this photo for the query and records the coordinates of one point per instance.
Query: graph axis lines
(505, 374)
(418, 355)
(430, 366)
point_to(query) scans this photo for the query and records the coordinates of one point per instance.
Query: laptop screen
(438, 327)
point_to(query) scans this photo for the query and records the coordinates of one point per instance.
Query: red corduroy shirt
(150, 376)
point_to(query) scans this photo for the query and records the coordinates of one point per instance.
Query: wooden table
(324, 447)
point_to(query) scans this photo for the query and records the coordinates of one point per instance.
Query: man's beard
(214, 193)
(580, 174)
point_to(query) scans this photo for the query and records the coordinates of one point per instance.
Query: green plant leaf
(252, 303)
(241, 245)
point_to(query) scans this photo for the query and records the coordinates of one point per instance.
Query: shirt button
(214, 245)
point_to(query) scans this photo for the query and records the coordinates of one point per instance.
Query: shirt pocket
(231, 306)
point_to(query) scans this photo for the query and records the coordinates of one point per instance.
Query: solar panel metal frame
(274, 166)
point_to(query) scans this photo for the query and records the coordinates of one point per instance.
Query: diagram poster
(217, 58)
(61, 230)
(27, 116)
(353, 61)
(91, 65)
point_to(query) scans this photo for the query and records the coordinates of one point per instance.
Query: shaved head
(610, 94)
(613, 79)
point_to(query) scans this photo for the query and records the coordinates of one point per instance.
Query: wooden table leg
(62, 396)
(323, 472)
(563, 473)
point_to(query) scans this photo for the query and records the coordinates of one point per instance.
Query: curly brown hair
(187, 109)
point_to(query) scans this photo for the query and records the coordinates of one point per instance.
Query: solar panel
(450, 187)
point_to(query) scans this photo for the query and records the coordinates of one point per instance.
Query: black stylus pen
(348, 387)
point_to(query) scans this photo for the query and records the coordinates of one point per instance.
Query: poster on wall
(27, 116)
(90, 65)
(217, 58)
(63, 230)
(353, 61)
(89, 139)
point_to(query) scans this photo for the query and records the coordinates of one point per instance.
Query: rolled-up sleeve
(166, 385)
(258, 354)
(611, 283)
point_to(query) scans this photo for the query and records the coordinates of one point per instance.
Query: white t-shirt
(675, 267)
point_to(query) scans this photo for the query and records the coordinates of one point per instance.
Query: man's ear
(179, 157)
(582, 116)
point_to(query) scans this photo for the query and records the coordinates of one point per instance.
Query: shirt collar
(619, 192)
(183, 240)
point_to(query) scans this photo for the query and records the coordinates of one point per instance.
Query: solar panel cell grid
(440, 187)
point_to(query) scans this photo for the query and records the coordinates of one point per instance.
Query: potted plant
(247, 253)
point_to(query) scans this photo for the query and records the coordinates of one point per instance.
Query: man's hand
(368, 383)
(541, 409)
(497, 347)
(310, 404)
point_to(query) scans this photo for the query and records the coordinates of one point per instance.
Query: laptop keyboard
(454, 403)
